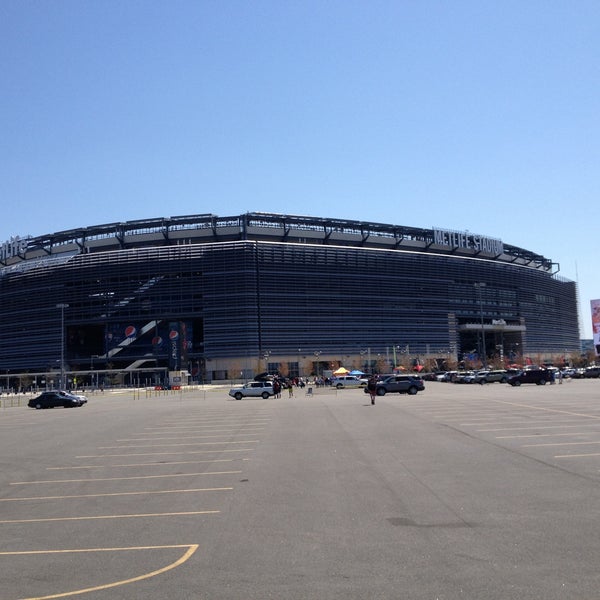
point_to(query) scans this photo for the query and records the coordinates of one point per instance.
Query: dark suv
(592, 372)
(537, 376)
(401, 384)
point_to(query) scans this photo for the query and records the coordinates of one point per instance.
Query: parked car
(53, 399)
(569, 373)
(80, 397)
(537, 376)
(591, 372)
(400, 384)
(254, 389)
(500, 376)
(448, 376)
(429, 376)
(464, 377)
(347, 381)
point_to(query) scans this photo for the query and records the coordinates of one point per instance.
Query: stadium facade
(223, 297)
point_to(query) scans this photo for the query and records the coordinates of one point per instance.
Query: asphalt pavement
(462, 491)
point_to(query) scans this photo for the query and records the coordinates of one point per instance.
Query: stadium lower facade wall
(228, 309)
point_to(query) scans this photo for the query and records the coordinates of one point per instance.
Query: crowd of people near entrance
(300, 382)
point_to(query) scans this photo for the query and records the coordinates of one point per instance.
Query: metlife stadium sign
(468, 241)
(16, 246)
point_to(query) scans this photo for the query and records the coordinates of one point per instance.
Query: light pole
(92, 357)
(484, 353)
(62, 307)
(266, 355)
(317, 354)
(362, 359)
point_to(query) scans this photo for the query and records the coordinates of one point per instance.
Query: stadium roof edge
(208, 227)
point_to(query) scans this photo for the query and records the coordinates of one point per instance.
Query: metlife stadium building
(224, 297)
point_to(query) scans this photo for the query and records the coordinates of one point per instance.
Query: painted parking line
(161, 463)
(88, 550)
(218, 433)
(176, 445)
(560, 444)
(548, 409)
(199, 429)
(106, 495)
(537, 427)
(541, 435)
(138, 477)
(218, 451)
(190, 549)
(577, 455)
(108, 517)
(188, 425)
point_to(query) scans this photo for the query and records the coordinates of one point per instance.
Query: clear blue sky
(468, 115)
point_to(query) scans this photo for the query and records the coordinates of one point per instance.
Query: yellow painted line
(126, 478)
(151, 464)
(220, 451)
(221, 489)
(190, 550)
(89, 550)
(101, 517)
(173, 445)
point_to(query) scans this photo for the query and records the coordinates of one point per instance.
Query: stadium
(216, 298)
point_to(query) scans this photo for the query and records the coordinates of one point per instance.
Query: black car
(52, 399)
(591, 372)
(537, 376)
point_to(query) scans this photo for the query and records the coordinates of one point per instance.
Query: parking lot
(461, 491)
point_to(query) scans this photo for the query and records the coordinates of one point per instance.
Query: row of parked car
(409, 383)
(386, 384)
(537, 375)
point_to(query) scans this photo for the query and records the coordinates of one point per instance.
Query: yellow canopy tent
(341, 371)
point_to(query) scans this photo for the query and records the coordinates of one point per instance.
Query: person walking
(277, 388)
(372, 387)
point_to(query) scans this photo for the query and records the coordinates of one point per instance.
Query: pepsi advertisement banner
(161, 339)
(174, 346)
(118, 334)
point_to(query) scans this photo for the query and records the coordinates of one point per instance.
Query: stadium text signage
(470, 241)
(12, 247)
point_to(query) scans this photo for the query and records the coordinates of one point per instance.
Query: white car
(82, 399)
(347, 381)
(254, 389)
